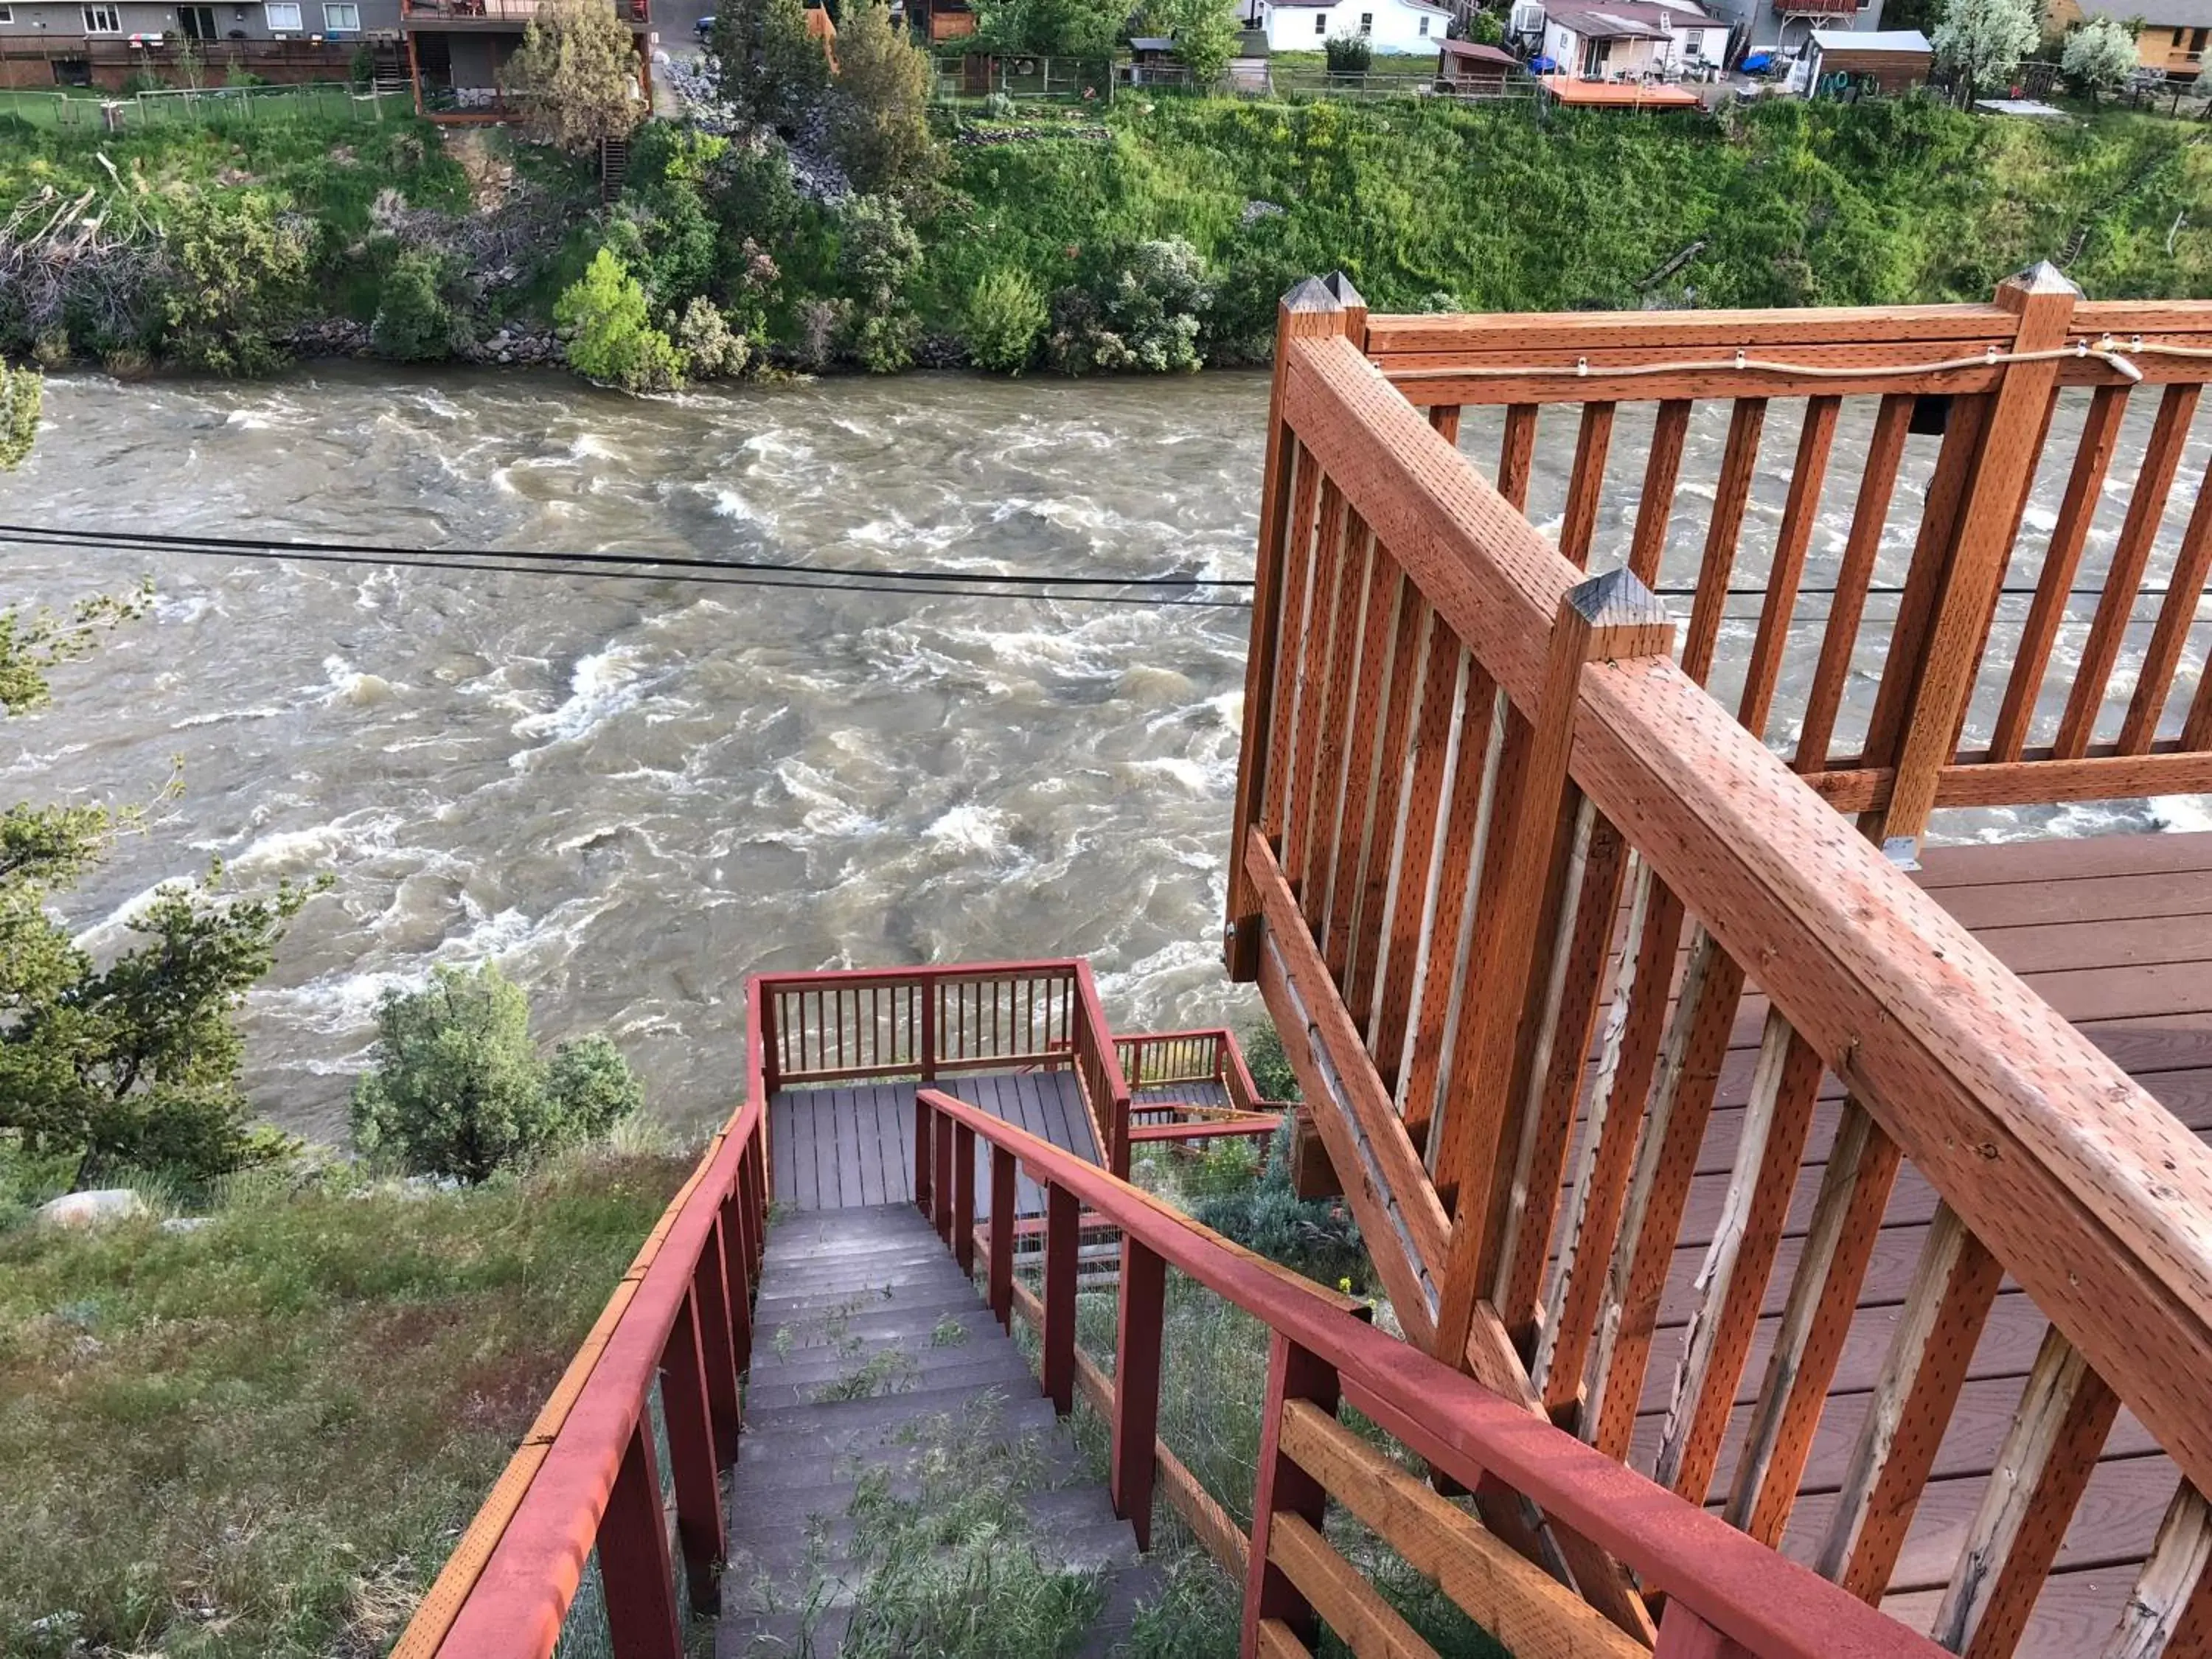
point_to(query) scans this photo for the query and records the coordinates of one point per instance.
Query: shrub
(237, 279)
(1349, 54)
(1141, 314)
(612, 338)
(1318, 1238)
(142, 80)
(711, 349)
(459, 1089)
(360, 71)
(877, 256)
(21, 391)
(1486, 27)
(415, 320)
(1005, 315)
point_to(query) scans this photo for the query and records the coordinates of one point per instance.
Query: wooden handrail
(2087, 1190)
(1774, 1608)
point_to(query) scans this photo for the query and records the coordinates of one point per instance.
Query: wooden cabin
(1467, 69)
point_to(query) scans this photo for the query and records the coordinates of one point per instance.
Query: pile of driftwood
(89, 262)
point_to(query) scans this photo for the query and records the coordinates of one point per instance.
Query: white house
(1625, 40)
(1390, 25)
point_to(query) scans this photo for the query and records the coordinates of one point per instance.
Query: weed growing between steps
(953, 1572)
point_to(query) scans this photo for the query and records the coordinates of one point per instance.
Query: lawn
(262, 1437)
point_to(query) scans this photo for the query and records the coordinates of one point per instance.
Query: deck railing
(1461, 756)
(924, 1022)
(587, 1499)
(1726, 1595)
(2037, 382)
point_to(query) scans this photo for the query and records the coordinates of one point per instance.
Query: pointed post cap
(1621, 617)
(2041, 280)
(1310, 293)
(1348, 296)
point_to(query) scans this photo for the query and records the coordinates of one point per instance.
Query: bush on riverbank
(261, 1437)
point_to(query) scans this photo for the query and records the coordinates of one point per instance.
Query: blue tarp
(1543, 65)
(1758, 62)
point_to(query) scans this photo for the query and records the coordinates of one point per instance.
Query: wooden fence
(1482, 804)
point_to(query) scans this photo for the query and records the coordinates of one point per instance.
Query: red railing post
(929, 1055)
(756, 1234)
(1002, 1236)
(924, 1122)
(964, 1197)
(635, 1573)
(683, 1404)
(1137, 1386)
(941, 1195)
(770, 1071)
(737, 1274)
(1281, 1487)
(718, 1342)
(1063, 1237)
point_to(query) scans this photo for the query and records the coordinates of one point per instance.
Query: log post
(1610, 616)
(1313, 309)
(1280, 1486)
(1137, 1386)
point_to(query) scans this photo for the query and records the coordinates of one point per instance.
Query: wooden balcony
(512, 16)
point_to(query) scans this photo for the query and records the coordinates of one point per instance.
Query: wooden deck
(843, 1148)
(2117, 933)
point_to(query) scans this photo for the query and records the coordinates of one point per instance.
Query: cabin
(1467, 69)
(1794, 1210)
(2171, 37)
(1153, 62)
(1390, 27)
(1847, 64)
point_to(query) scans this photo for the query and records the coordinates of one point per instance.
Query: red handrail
(1775, 1609)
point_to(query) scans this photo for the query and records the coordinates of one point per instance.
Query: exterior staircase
(614, 167)
(878, 1379)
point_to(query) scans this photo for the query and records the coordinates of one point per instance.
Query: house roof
(1607, 25)
(1475, 51)
(1152, 43)
(2158, 14)
(1872, 40)
(1635, 19)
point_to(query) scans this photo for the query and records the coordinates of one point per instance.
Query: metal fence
(92, 111)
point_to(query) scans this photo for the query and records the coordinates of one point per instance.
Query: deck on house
(2116, 932)
(844, 1148)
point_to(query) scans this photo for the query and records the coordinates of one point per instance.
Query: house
(942, 19)
(1631, 39)
(1852, 63)
(2172, 39)
(1467, 69)
(457, 52)
(46, 43)
(1786, 26)
(1390, 27)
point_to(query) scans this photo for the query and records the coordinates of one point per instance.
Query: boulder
(93, 1209)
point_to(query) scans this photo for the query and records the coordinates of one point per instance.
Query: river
(632, 794)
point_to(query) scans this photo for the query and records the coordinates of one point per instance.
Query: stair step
(809, 1328)
(1008, 1373)
(813, 1356)
(862, 1427)
(1129, 1590)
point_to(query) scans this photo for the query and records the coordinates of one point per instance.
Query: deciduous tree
(2100, 55)
(1205, 33)
(576, 76)
(1981, 42)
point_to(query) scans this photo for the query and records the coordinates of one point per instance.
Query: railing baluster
(635, 1573)
(1379, 863)
(1316, 670)
(941, 1195)
(1281, 1487)
(1655, 507)
(1137, 1385)
(693, 1465)
(1390, 596)
(1787, 570)
(2185, 591)
(2169, 1611)
(1739, 465)
(1003, 1189)
(1862, 546)
(1357, 596)
(2169, 435)
(1517, 455)
(718, 1339)
(1586, 484)
(963, 1198)
(1063, 1240)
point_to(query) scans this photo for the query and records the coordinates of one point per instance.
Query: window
(2197, 42)
(102, 20)
(1367, 22)
(1321, 23)
(284, 20)
(1424, 23)
(342, 19)
(1690, 43)
(7, 14)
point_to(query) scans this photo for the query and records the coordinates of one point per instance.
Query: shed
(1153, 62)
(1854, 63)
(1473, 69)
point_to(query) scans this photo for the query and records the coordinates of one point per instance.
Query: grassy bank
(261, 1437)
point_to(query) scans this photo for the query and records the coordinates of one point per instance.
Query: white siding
(1392, 26)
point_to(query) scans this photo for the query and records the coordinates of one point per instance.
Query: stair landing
(879, 1374)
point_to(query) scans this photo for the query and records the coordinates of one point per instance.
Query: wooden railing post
(1002, 1236)
(1607, 617)
(1137, 1386)
(1683, 1635)
(964, 1197)
(770, 1073)
(1311, 310)
(635, 1573)
(1063, 1237)
(2043, 300)
(685, 1403)
(1281, 1487)
(924, 1122)
(717, 1340)
(928, 1055)
(941, 1183)
(736, 1272)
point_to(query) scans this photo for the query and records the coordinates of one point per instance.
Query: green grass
(261, 1437)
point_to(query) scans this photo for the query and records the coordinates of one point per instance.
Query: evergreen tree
(768, 69)
(879, 111)
(576, 74)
